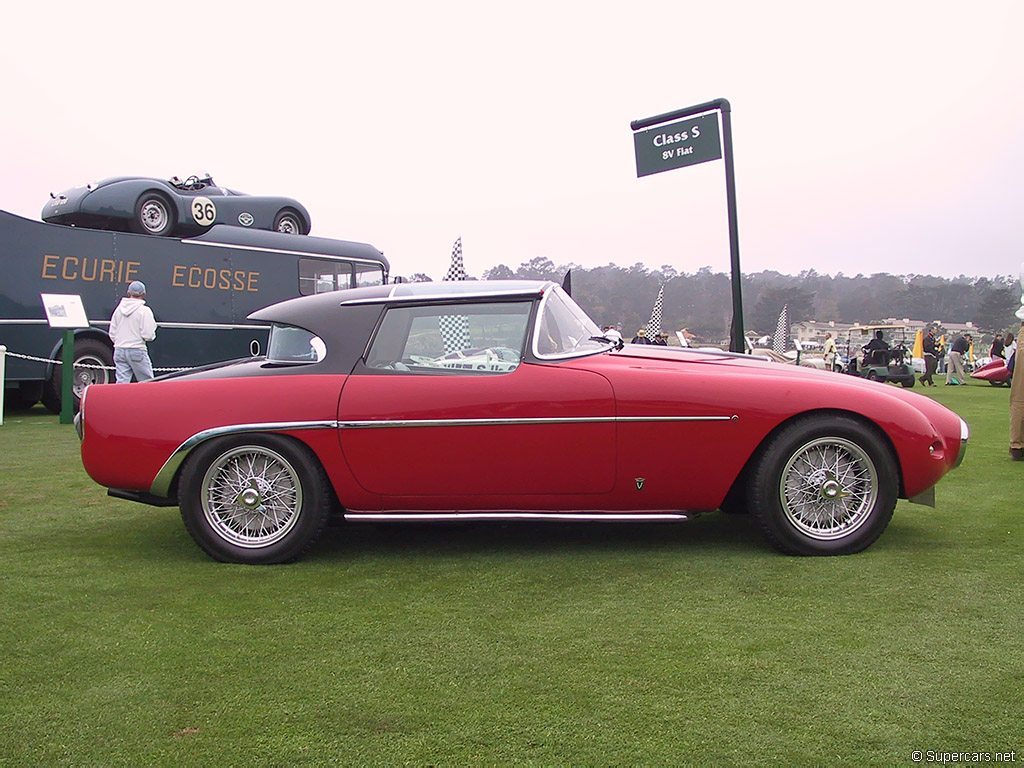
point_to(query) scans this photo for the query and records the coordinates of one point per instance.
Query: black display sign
(675, 145)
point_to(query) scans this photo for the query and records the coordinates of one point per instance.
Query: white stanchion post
(3, 380)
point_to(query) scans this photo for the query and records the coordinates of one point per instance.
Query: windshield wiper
(618, 344)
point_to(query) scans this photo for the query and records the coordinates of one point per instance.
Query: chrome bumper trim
(965, 434)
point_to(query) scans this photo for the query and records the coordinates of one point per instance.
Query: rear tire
(87, 352)
(255, 499)
(824, 486)
(289, 222)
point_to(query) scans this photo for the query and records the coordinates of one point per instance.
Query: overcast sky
(869, 137)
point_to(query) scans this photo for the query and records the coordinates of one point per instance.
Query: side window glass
(322, 275)
(367, 274)
(464, 338)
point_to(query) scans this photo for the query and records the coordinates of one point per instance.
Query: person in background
(661, 340)
(930, 360)
(874, 350)
(641, 337)
(1009, 346)
(131, 326)
(611, 333)
(996, 350)
(830, 352)
(955, 374)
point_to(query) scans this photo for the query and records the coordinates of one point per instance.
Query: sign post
(67, 312)
(3, 385)
(694, 139)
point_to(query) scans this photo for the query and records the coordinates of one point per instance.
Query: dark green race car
(175, 207)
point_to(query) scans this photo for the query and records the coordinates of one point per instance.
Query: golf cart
(880, 353)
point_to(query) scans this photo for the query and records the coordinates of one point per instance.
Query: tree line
(702, 301)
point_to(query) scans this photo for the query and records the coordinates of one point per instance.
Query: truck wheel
(824, 485)
(153, 215)
(255, 499)
(289, 222)
(88, 352)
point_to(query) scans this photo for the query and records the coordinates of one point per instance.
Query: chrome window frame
(552, 289)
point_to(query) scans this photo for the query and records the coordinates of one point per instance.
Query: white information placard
(64, 310)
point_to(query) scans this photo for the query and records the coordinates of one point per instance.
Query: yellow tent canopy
(918, 344)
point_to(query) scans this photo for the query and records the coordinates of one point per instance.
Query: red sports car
(503, 401)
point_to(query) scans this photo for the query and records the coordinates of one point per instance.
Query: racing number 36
(203, 211)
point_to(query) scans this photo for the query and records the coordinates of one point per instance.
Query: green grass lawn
(122, 644)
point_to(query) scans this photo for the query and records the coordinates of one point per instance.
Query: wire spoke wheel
(824, 484)
(251, 496)
(828, 488)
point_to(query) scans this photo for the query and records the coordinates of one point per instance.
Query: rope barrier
(86, 365)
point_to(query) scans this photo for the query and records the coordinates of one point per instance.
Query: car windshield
(289, 344)
(564, 330)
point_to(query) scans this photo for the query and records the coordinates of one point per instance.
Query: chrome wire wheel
(154, 216)
(828, 488)
(251, 496)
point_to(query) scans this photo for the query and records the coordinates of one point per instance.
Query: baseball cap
(136, 286)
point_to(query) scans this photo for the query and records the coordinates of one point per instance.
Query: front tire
(154, 215)
(824, 486)
(256, 499)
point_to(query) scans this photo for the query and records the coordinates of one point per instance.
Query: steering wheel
(192, 182)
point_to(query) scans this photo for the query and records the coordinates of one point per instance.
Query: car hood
(666, 358)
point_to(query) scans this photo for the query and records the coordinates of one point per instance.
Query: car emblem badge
(245, 219)
(639, 483)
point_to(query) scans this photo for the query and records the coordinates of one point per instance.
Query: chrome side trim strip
(571, 517)
(162, 482)
(216, 326)
(426, 298)
(401, 423)
(198, 326)
(329, 256)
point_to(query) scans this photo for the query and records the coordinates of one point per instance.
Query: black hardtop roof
(293, 311)
(223, 234)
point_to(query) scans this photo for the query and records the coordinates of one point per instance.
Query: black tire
(154, 215)
(799, 502)
(290, 222)
(872, 376)
(21, 398)
(226, 479)
(87, 352)
(908, 383)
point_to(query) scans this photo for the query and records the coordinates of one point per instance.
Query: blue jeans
(129, 361)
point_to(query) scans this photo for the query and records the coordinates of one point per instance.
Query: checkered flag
(654, 324)
(455, 328)
(780, 341)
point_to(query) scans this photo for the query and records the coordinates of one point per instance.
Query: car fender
(149, 430)
(117, 199)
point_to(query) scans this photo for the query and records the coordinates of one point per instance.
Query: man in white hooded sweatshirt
(131, 326)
